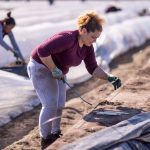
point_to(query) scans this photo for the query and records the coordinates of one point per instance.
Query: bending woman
(6, 26)
(50, 62)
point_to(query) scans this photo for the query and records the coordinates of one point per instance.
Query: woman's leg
(60, 106)
(47, 90)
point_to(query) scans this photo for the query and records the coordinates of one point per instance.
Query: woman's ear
(83, 31)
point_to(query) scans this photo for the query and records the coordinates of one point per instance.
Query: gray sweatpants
(52, 95)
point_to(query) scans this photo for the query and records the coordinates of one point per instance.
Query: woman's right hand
(57, 73)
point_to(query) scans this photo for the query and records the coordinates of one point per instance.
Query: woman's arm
(114, 80)
(2, 42)
(100, 73)
(56, 72)
(15, 46)
(92, 66)
(48, 62)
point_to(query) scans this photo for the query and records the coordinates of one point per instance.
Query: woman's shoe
(56, 135)
(46, 142)
(50, 139)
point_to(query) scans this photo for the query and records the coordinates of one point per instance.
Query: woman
(6, 26)
(50, 62)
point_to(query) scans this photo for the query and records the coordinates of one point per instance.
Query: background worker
(6, 26)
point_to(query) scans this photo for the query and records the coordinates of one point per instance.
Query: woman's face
(8, 28)
(88, 38)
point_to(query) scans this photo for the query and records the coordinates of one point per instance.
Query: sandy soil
(78, 118)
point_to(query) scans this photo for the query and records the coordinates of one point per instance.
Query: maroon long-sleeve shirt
(65, 51)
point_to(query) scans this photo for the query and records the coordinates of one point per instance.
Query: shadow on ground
(18, 69)
(109, 117)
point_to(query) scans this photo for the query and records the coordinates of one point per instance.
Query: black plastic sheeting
(18, 69)
(131, 134)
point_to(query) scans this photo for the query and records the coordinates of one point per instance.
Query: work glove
(115, 81)
(57, 73)
(16, 55)
(18, 62)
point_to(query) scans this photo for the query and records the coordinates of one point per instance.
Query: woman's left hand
(116, 82)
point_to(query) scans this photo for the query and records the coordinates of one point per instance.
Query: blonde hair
(91, 21)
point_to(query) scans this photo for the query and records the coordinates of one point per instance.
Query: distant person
(144, 12)
(6, 26)
(50, 62)
(112, 9)
(51, 2)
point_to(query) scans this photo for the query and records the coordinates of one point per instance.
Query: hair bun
(9, 14)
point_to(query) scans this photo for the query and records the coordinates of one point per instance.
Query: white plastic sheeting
(30, 36)
(114, 18)
(16, 96)
(122, 37)
(34, 26)
(71, 15)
